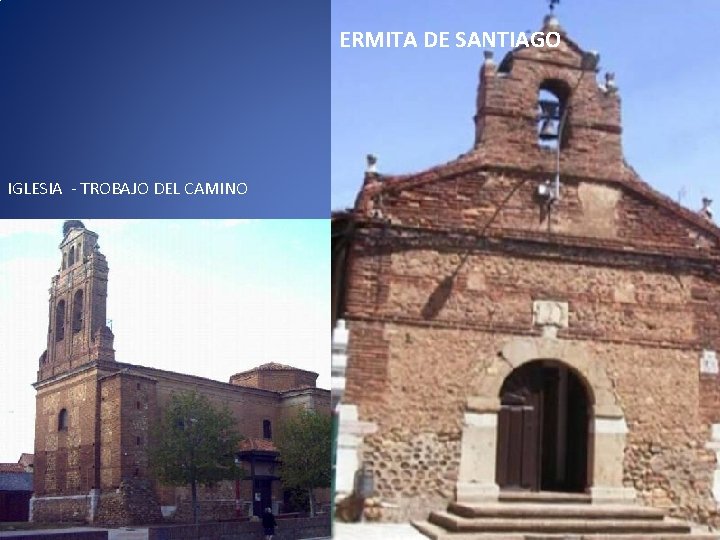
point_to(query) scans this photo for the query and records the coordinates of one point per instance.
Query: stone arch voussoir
(476, 481)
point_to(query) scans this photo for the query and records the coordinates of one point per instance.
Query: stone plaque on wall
(550, 313)
(709, 362)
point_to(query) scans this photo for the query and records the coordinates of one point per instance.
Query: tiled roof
(26, 459)
(11, 468)
(262, 445)
(16, 481)
(273, 366)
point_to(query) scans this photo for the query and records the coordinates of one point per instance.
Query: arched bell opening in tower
(552, 113)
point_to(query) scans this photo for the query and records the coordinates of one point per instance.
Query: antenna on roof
(681, 194)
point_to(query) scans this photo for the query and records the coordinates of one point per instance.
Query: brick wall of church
(64, 458)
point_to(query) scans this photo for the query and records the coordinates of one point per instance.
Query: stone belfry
(77, 330)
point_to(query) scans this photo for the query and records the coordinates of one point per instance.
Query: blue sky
(414, 107)
(209, 298)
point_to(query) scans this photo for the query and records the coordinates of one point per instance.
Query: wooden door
(519, 430)
(262, 497)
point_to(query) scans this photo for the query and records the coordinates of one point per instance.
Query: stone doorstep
(436, 533)
(557, 511)
(455, 523)
(548, 497)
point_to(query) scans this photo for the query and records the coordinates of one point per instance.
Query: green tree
(304, 442)
(194, 443)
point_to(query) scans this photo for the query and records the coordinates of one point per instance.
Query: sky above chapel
(414, 107)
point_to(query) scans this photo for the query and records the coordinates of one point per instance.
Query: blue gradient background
(166, 91)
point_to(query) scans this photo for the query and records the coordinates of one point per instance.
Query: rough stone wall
(416, 354)
(61, 509)
(132, 503)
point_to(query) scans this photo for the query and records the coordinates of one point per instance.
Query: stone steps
(546, 520)
(555, 511)
(438, 533)
(551, 497)
(574, 525)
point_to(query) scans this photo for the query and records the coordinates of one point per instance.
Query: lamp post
(237, 486)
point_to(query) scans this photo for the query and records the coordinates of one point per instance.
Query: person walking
(268, 523)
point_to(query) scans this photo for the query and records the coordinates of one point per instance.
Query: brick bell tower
(539, 98)
(77, 332)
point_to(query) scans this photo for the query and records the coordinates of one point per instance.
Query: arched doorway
(543, 429)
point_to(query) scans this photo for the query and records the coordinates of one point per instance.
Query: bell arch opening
(543, 430)
(552, 122)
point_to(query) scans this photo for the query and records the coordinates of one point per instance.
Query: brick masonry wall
(601, 210)
(412, 368)
(110, 434)
(277, 380)
(64, 459)
(249, 406)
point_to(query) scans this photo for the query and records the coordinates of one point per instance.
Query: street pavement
(376, 531)
(123, 533)
(20, 534)
(128, 533)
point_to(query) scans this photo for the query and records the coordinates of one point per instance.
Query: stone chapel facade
(506, 336)
(94, 414)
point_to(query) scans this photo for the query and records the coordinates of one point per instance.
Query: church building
(94, 415)
(532, 323)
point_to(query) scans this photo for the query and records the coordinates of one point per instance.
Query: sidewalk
(376, 531)
(36, 532)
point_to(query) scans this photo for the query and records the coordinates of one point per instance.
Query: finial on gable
(551, 21)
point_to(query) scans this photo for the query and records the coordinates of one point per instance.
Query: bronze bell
(548, 130)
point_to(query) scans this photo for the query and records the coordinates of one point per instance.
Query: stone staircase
(525, 517)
